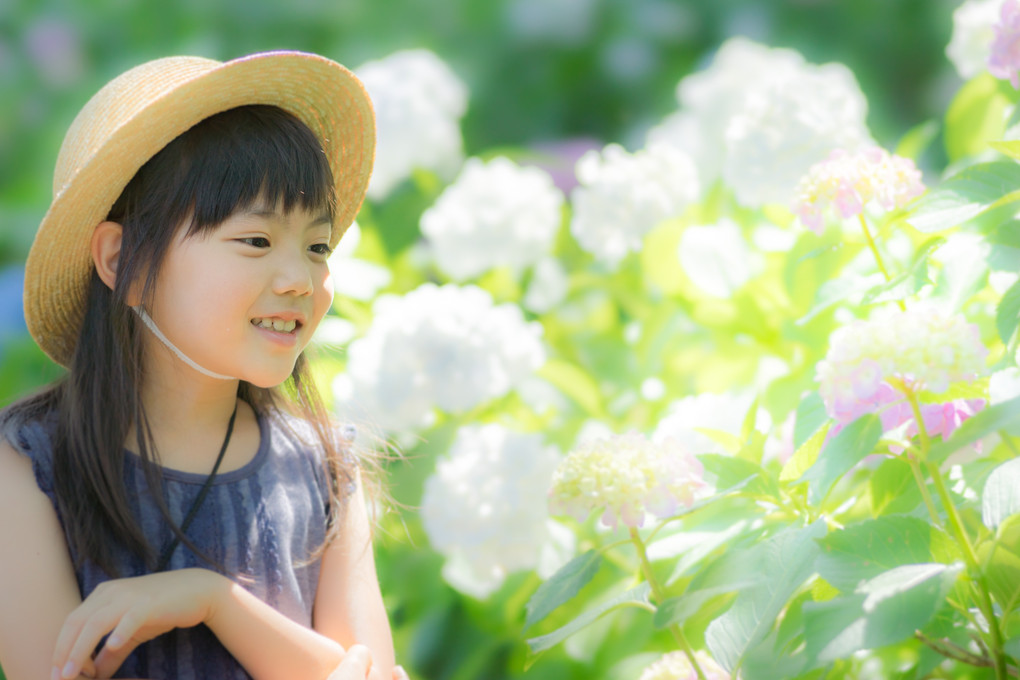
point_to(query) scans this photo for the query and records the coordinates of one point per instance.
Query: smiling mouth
(278, 325)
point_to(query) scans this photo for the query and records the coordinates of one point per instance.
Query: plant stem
(985, 600)
(961, 536)
(878, 256)
(660, 597)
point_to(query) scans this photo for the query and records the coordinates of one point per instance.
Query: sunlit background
(541, 81)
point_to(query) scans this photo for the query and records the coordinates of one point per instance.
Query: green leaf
(893, 489)
(917, 139)
(729, 442)
(1003, 572)
(804, 457)
(810, 416)
(985, 422)
(788, 559)
(908, 282)
(964, 389)
(679, 609)
(577, 384)
(838, 290)
(863, 551)
(1010, 148)
(729, 471)
(562, 586)
(634, 597)
(975, 117)
(1001, 497)
(965, 195)
(885, 609)
(691, 547)
(1007, 316)
(846, 449)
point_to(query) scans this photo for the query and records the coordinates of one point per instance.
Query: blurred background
(539, 74)
(537, 71)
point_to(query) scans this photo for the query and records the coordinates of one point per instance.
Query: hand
(132, 611)
(355, 666)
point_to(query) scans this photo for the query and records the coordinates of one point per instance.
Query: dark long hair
(223, 164)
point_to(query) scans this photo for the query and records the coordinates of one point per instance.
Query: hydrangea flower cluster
(418, 102)
(676, 666)
(849, 182)
(1004, 60)
(920, 347)
(771, 113)
(622, 196)
(448, 347)
(973, 33)
(482, 508)
(709, 98)
(626, 476)
(495, 213)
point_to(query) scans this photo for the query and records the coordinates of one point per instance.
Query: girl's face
(244, 298)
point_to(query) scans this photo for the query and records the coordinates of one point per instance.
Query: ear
(105, 248)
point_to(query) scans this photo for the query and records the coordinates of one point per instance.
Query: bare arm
(348, 605)
(37, 583)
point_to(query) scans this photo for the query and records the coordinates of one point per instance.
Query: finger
(354, 666)
(89, 636)
(108, 661)
(400, 674)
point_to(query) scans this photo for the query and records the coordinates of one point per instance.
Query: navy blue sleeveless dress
(261, 522)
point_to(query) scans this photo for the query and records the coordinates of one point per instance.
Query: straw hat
(135, 116)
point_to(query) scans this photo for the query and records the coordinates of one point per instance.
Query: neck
(180, 403)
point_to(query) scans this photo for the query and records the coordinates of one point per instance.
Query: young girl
(179, 506)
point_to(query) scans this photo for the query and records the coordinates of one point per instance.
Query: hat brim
(328, 98)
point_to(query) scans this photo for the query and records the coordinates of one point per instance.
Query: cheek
(323, 294)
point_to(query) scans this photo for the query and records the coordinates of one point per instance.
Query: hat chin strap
(147, 320)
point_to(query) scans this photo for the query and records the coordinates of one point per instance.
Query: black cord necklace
(165, 559)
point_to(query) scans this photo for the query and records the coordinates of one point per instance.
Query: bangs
(229, 162)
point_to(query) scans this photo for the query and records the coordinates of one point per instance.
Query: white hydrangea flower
(710, 98)
(418, 103)
(484, 507)
(353, 277)
(789, 124)
(626, 476)
(676, 666)
(717, 258)
(622, 196)
(724, 412)
(495, 213)
(761, 116)
(973, 33)
(443, 347)
(548, 287)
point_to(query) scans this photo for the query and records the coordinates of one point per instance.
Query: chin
(268, 379)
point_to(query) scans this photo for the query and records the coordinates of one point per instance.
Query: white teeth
(276, 324)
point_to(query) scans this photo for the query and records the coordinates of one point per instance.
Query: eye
(321, 249)
(255, 241)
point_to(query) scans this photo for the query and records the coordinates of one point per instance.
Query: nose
(293, 275)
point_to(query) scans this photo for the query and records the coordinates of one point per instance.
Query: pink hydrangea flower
(846, 183)
(894, 410)
(626, 476)
(1004, 60)
(920, 348)
(676, 666)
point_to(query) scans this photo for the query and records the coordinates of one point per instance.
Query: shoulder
(327, 452)
(26, 442)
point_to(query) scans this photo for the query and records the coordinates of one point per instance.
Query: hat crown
(118, 102)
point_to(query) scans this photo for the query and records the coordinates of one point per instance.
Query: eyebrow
(266, 213)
